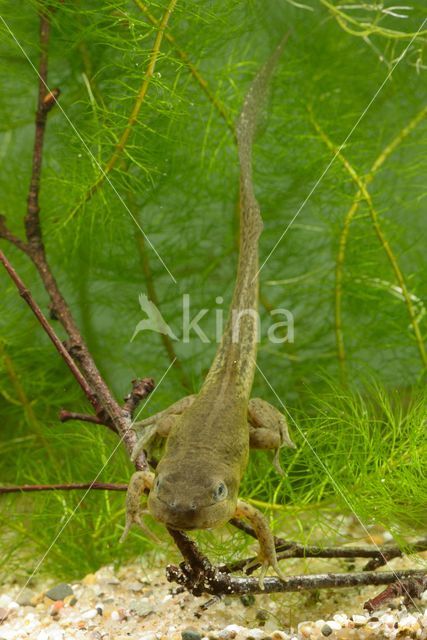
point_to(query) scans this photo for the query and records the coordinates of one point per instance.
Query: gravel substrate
(140, 604)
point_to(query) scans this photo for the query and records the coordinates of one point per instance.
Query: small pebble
(56, 607)
(190, 634)
(326, 630)
(59, 592)
(141, 607)
(5, 600)
(248, 600)
(256, 634)
(25, 598)
(305, 629)
(407, 621)
(262, 615)
(334, 625)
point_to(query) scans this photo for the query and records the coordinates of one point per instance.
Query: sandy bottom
(137, 602)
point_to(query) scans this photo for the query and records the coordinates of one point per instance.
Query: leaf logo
(154, 321)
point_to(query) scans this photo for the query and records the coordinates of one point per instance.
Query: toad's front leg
(267, 554)
(160, 424)
(138, 484)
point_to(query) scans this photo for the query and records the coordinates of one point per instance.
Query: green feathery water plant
(154, 97)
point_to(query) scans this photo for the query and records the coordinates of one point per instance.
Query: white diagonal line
(58, 534)
(89, 152)
(335, 484)
(328, 166)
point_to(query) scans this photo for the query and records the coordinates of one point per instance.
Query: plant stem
(364, 193)
(119, 148)
(219, 106)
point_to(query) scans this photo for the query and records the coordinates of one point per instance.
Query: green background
(178, 175)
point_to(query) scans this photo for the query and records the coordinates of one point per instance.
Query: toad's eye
(220, 492)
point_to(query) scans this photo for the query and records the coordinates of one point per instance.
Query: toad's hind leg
(268, 429)
(267, 554)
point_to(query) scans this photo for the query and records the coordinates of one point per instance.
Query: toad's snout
(179, 514)
(179, 506)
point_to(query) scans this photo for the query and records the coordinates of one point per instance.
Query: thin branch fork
(87, 373)
(412, 587)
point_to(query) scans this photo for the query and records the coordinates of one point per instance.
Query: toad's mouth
(184, 518)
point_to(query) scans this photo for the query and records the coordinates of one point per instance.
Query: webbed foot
(267, 554)
(139, 482)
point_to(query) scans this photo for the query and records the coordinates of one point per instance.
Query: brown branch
(26, 295)
(96, 486)
(410, 588)
(46, 100)
(288, 549)
(89, 378)
(197, 561)
(66, 416)
(6, 234)
(216, 583)
(141, 388)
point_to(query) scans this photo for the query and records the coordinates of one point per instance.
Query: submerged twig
(214, 582)
(26, 295)
(411, 587)
(87, 373)
(288, 549)
(96, 486)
